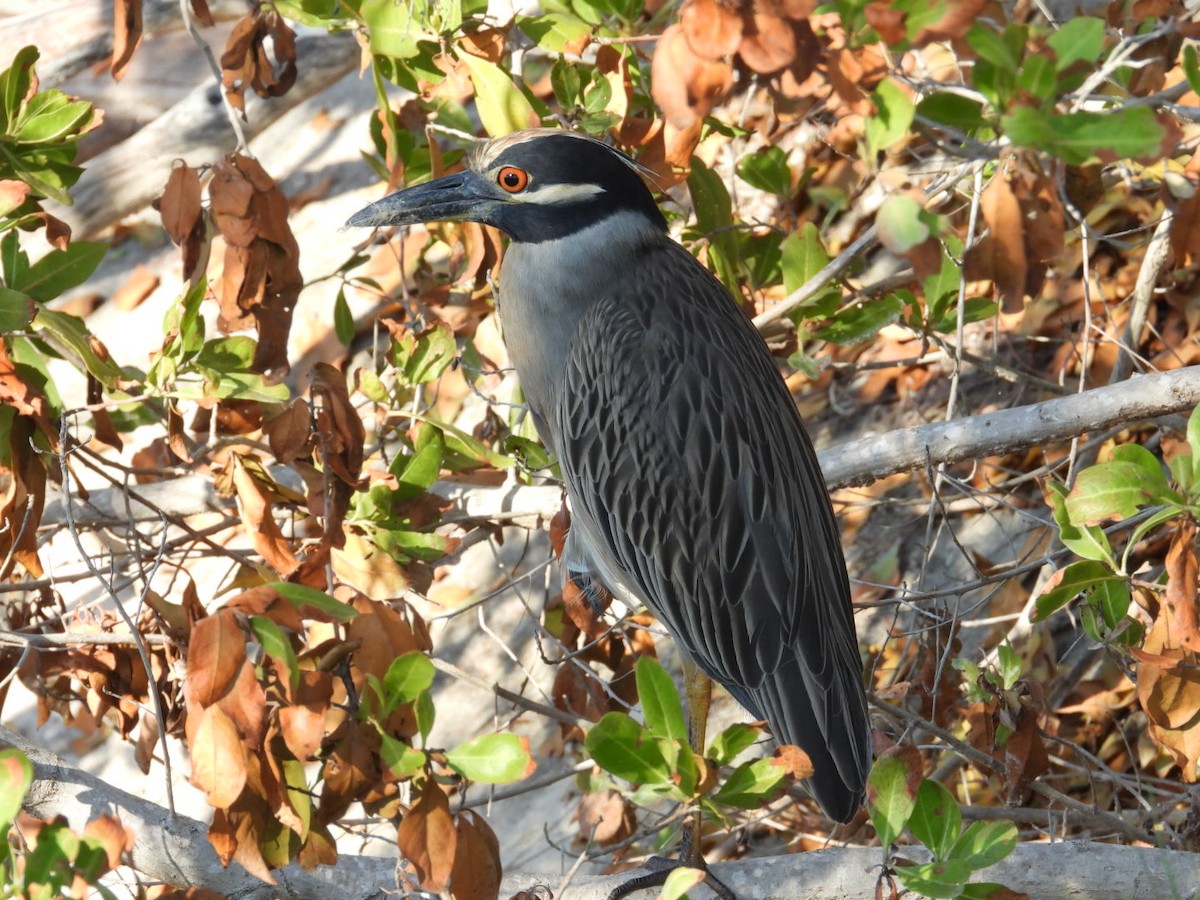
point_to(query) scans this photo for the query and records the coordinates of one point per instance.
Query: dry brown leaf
(795, 760)
(887, 20)
(768, 42)
(1185, 225)
(1045, 228)
(1025, 758)
(246, 62)
(686, 86)
(477, 870)
(216, 651)
(137, 287)
(201, 12)
(218, 759)
(1179, 603)
(713, 31)
(127, 34)
(246, 705)
(1000, 255)
(427, 838)
(114, 837)
(302, 723)
(605, 817)
(259, 520)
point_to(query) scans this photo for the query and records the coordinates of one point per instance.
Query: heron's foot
(659, 868)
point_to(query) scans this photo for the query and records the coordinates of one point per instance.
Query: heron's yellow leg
(698, 688)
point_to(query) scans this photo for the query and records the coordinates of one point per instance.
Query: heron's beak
(458, 197)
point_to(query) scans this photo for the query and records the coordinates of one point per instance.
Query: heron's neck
(547, 287)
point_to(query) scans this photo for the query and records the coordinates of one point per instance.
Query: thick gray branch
(859, 461)
(175, 849)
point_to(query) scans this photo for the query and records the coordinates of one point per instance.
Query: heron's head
(536, 185)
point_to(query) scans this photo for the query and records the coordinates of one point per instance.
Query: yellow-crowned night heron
(693, 484)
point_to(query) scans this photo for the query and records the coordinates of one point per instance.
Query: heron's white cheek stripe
(554, 194)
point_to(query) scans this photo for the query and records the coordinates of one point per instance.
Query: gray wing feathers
(716, 518)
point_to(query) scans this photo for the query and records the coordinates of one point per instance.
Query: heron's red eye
(512, 179)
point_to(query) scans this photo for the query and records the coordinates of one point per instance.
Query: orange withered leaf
(999, 256)
(127, 34)
(427, 838)
(768, 42)
(713, 29)
(685, 85)
(476, 872)
(216, 651)
(218, 758)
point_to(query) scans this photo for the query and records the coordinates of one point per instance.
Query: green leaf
(1087, 541)
(803, 256)
(227, 354)
(15, 83)
(893, 115)
(597, 97)
(1076, 137)
(426, 713)
(275, 643)
(1011, 666)
(890, 801)
(714, 219)
(1068, 583)
(767, 170)
(993, 46)
(941, 289)
(984, 844)
(1191, 67)
(1080, 39)
(71, 333)
(393, 29)
(553, 31)
(861, 320)
(680, 881)
(502, 108)
(51, 116)
(16, 775)
(1113, 599)
(1111, 490)
(492, 758)
(623, 748)
(936, 820)
(1154, 479)
(426, 357)
(302, 596)
(903, 223)
(61, 270)
(407, 677)
(343, 319)
(417, 473)
(404, 760)
(1037, 77)
(943, 880)
(953, 110)
(566, 84)
(1193, 439)
(735, 739)
(660, 700)
(16, 310)
(752, 784)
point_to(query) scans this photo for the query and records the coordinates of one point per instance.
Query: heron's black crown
(537, 185)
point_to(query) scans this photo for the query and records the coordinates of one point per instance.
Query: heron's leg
(698, 688)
